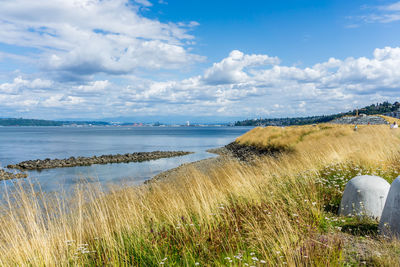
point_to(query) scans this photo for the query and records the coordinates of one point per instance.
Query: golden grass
(326, 143)
(269, 211)
(390, 119)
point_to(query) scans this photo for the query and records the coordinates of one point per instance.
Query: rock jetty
(360, 120)
(8, 175)
(87, 161)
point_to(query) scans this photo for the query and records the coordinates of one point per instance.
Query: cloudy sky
(184, 59)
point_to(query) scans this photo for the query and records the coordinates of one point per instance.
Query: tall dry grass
(390, 119)
(268, 212)
(327, 143)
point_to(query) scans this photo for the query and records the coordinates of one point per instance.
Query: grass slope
(278, 211)
(390, 119)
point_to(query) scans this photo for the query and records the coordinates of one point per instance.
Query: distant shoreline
(20, 122)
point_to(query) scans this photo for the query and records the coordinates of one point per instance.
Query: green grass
(281, 210)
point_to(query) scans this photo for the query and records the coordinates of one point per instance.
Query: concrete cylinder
(390, 221)
(364, 195)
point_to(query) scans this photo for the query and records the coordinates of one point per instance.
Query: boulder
(390, 220)
(364, 195)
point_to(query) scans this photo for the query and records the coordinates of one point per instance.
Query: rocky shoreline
(245, 152)
(232, 151)
(87, 161)
(360, 120)
(8, 175)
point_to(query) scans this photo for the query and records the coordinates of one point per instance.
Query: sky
(182, 60)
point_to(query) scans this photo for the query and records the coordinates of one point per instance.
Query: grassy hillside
(374, 109)
(391, 119)
(278, 211)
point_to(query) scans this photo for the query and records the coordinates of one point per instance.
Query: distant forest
(379, 108)
(28, 122)
(33, 122)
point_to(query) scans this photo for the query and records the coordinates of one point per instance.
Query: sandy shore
(232, 151)
(205, 166)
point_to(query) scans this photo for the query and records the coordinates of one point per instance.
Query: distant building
(394, 114)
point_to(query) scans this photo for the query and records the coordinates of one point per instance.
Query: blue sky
(185, 59)
(297, 31)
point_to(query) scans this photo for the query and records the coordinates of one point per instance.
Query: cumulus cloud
(231, 69)
(19, 84)
(244, 83)
(86, 37)
(93, 87)
(238, 85)
(61, 100)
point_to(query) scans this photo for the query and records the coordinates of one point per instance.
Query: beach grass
(279, 210)
(391, 119)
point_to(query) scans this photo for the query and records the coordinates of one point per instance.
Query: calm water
(24, 143)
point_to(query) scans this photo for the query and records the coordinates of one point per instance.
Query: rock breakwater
(8, 175)
(87, 161)
(360, 120)
(247, 152)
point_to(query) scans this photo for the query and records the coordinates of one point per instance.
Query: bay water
(27, 143)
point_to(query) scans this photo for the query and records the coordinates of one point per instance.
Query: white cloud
(382, 14)
(144, 2)
(86, 37)
(239, 85)
(231, 69)
(93, 87)
(19, 84)
(391, 7)
(61, 100)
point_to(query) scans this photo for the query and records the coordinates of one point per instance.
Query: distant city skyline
(214, 60)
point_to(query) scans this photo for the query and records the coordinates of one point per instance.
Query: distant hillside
(28, 122)
(374, 109)
(33, 122)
